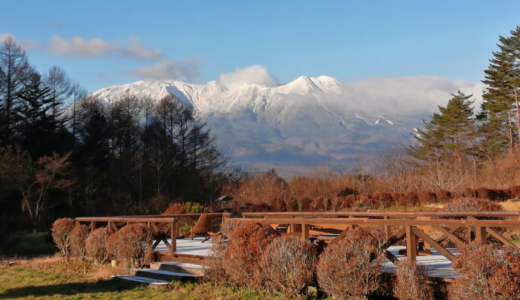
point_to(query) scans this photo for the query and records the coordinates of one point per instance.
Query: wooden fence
(163, 227)
(410, 229)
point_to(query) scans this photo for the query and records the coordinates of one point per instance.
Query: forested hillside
(65, 154)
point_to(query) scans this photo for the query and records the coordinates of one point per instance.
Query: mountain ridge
(309, 121)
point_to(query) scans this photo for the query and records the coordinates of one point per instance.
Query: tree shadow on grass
(69, 289)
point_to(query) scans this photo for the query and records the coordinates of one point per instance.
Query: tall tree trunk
(517, 112)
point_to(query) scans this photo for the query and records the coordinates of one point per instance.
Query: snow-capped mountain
(306, 122)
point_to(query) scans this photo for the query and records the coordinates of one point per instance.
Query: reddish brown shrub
(278, 204)
(227, 227)
(246, 245)
(503, 195)
(412, 282)
(61, 233)
(409, 199)
(427, 197)
(385, 199)
(350, 200)
(443, 195)
(471, 205)
(352, 267)
(212, 208)
(396, 197)
(288, 265)
(338, 203)
(304, 203)
(114, 246)
(215, 271)
(316, 204)
(291, 204)
(175, 209)
(135, 241)
(469, 192)
(485, 193)
(488, 273)
(78, 237)
(96, 245)
(346, 192)
(262, 207)
(515, 191)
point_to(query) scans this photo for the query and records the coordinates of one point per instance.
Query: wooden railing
(410, 229)
(163, 227)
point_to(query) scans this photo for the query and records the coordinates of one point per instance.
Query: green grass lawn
(28, 283)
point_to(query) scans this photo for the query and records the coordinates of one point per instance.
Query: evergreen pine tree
(449, 135)
(34, 123)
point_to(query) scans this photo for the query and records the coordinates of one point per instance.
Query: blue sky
(102, 43)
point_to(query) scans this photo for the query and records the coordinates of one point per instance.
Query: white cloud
(252, 74)
(169, 69)
(420, 94)
(79, 47)
(136, 49)
(25, 44)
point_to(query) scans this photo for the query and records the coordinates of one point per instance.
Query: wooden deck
(437, 265)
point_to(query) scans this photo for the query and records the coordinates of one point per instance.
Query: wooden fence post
(388, 232)
(305, 232)
(411, 245)
(481, 235)
(173, 236)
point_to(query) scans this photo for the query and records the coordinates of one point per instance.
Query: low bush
(412, 282)
(469, 192)
(291, 204)
(442, 195)
(174, 209)
(215, 271)
(78, 238)
(385, 199)
(396, 196)
(277, 204)
(61, 233)
(488, 273)
(338, 203)
(289, 265)
(409, 199)
(352, 267)
(485, 193)
(471, 205)
(246, 245)
(114, 246)
(303, 204)
(427, 197)
(316, 204)
(96, 245)
(227, 227)
(515, 191)
(135, 241)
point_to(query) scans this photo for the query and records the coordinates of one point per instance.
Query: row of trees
(457, 137)
(65, 153)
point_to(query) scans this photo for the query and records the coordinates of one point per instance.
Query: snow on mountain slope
(304, 122)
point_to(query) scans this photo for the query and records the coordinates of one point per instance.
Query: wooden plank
(305, 232)
(340, 236)
(173, 236)
(393, 222)
(388, 231)
(411, 245)
(434, 244)
(394, 238)
(154, 228)
(481, 235)
(450, 235)
(445, 235)
(381, 214)
(499, 237)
